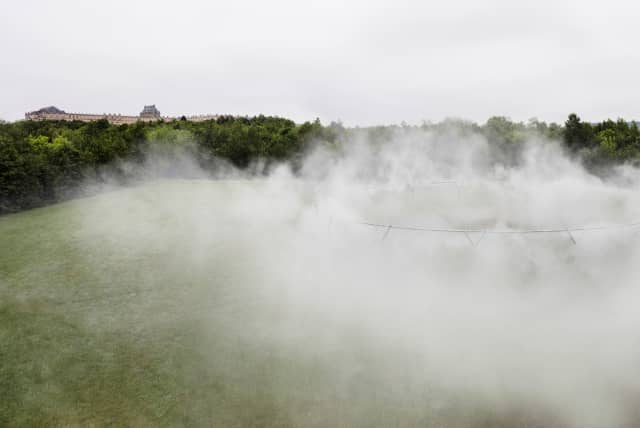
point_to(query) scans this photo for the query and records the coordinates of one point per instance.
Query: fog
(536, 329)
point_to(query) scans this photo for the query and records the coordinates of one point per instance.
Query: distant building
(51, 110)
(149, 114)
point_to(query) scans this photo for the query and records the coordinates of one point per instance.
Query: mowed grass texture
(150, 306)
(98, 332)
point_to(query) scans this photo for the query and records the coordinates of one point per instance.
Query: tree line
(42, 162)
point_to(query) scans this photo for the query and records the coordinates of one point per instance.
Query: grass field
(104, 324)
(124, 309)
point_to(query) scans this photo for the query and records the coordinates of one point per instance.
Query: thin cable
(503, 231)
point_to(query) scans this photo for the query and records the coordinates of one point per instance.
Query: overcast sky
(362, 62)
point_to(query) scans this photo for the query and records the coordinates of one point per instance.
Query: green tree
(578, 135)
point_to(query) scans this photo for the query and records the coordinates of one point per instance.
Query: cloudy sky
(362, 62)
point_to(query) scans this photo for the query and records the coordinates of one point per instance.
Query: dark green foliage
(578, 135)
(45, 161)
(603, 144)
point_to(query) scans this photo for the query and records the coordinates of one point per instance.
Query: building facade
(149, 114)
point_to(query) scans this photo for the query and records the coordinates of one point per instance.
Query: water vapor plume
(345, 324)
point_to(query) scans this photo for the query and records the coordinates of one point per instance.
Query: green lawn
(113, 314)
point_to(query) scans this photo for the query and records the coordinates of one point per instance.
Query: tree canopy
(45, 161)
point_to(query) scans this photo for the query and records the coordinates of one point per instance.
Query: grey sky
(363, 62)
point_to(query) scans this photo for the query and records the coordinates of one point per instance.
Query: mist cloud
(516, 328)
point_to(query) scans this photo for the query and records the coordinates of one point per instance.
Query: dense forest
(46, 161)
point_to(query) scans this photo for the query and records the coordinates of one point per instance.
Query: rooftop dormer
(150, 112)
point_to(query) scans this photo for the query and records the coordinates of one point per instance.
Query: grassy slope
(111, 331)
(112, 340)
